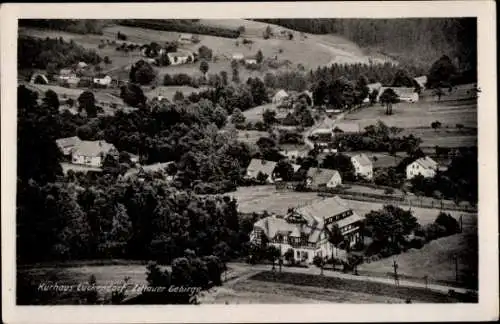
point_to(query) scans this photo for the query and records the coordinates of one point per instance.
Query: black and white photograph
(245, 161)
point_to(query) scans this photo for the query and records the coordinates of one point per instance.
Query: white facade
(423, 167)
(409, 97)
(106, 81)
(335, 181)
(95, 161)
(177, 58)
(362, 168)
(238, 56)
(250, 61)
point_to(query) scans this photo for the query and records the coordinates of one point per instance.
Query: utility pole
(426, 281)
(455, 257)
(396, 278)
(461, 222)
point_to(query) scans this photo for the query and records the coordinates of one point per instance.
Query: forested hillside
(419, 40)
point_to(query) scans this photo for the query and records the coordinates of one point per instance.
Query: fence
(423, 202)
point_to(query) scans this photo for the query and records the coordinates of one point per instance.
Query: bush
(434, 231)
(448, 222)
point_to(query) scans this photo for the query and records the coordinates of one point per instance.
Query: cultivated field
(435, 259)
(449, 136)
(261, 198)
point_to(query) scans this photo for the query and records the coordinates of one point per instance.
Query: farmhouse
(141, 172)
(257, 166)
(425, 166)
(363, 166)
(177, 58)
(293, 155)
(238, 56)
(104, 81)
(185, 38)
(92, 153)
(421, 81)
(305, 230)
(279, 97)
(65, 74)
(250, 61)
(67, 144)
(405, 94)
(322, 178)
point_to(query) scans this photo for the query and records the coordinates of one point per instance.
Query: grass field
(250, 136)
(444, 137)
(261, 292)
(255, 114)
(435, 259)
(353, 286)
(457, 107)
(261, 198)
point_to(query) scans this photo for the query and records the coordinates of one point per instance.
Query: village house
(363, 166)
(371, 88)
(279, 97)
(67, 144)
(103, 81)
(92, 153)
(405, 94)
(185, 38)
(293, 155)
(250, 61)
(238, 57)
(258, 166)
(65, 74)
(421, 81)
(322, 178)
(177, 58)
(425, 167)
(305, 230)
(142, 171)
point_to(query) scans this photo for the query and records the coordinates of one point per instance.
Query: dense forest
(52, 54)
(413, 39)
(78, 26)
(76, 217)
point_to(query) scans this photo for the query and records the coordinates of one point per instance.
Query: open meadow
(436, 259)
(262, 198)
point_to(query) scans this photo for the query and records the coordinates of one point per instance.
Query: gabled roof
(426, 163)
(324, 208)
(68, 141)
(92, 148)
(295, 167)
(266, 167)
(349, 220)
(362, 159)
(281, 94)
(421, 80)
(321, 176)
(157, 167)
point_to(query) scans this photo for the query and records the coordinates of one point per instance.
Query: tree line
(52, 53)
